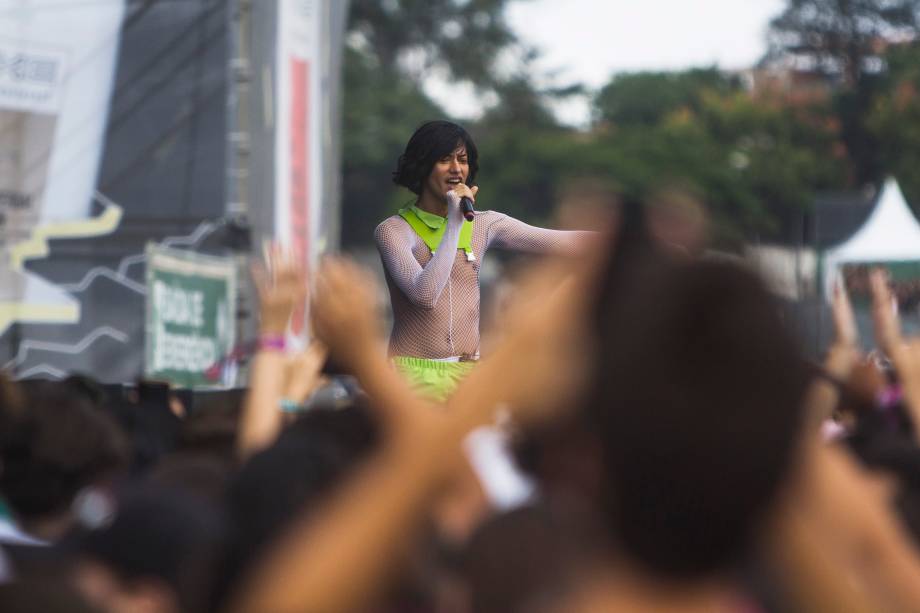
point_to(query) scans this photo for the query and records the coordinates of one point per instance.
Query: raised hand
(281, 283)
(903, 353)
(453, 197)
(282, 286)
(539, 366)
(345, 310)
(884, 314)
(463, 190)
(844, 353)
(302, 372)
(844, 321)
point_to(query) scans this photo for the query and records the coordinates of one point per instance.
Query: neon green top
(430, 228)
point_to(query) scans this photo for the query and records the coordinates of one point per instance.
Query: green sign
(191, 315)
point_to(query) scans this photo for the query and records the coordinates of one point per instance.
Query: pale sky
(589, 40)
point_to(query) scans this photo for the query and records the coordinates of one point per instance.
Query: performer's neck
(432, 203)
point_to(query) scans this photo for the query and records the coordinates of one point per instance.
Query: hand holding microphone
(467, 198)
(466, 205)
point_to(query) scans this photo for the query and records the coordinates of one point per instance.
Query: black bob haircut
(432, 141)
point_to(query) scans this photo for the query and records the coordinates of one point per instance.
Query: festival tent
(890, 234)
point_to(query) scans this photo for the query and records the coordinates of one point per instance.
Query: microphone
(466, 205)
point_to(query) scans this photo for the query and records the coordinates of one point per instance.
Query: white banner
(57, 62)
(298, 140)
(31, 77)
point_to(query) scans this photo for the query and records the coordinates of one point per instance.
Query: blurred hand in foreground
(904, 353)
(344, 311)
(843, 354)
(544, 358)
(303, 372)
(281, 284)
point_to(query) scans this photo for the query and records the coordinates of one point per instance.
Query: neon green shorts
(433, 379)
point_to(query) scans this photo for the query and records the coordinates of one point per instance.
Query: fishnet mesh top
(435, 298)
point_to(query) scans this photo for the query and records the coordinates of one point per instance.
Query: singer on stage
(431, 256)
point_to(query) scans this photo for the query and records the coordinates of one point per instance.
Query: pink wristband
(271, 343)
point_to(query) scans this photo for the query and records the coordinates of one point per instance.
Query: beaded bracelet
(272, 343)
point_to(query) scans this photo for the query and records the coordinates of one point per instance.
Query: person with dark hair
(297, 472)
(431, 256)
(51, 450)
(43, 595)
(524, 560)
(697, 371)
(155, 555)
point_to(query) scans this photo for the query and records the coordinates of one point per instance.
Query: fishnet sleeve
(422, 285)
(507, 232)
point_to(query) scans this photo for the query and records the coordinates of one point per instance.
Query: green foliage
(381, 108)
(463, 37)
(838, 37)
(520, 168)
(756, 163)
(895, 119)
(755, 160)
(646, 98)
(842, 40)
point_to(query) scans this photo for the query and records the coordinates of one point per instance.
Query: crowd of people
(671, 450)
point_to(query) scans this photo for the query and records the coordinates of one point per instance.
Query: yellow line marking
(37, 245)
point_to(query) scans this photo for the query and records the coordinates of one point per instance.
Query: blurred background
(794, 123)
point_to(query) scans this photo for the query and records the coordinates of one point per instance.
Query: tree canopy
(842, 38)
(755, 158)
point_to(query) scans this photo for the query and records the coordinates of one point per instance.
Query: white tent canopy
(891, 234)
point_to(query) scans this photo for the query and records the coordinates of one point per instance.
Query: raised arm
(904, 352)
(847, 517)
(507, 232)
(336, 558)
(842, 356)
(281, 284)
(421, 285)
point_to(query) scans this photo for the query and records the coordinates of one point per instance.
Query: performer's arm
(509, 233)
(421, 285)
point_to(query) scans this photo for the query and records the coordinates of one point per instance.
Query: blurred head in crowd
(87, 387)
(155, 556)
(563, 457)
(211, 427)
(675, 215)
(431, 142)
(519, 561)
(43, 595)
(147, 418)
(697, 398)
(588, 203)
(309, 459)
(677, 220)
(204, 457)
(56, 446)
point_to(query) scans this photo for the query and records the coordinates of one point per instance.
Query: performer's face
(448, 172)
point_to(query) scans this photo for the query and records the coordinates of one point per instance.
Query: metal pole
(239, 79)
